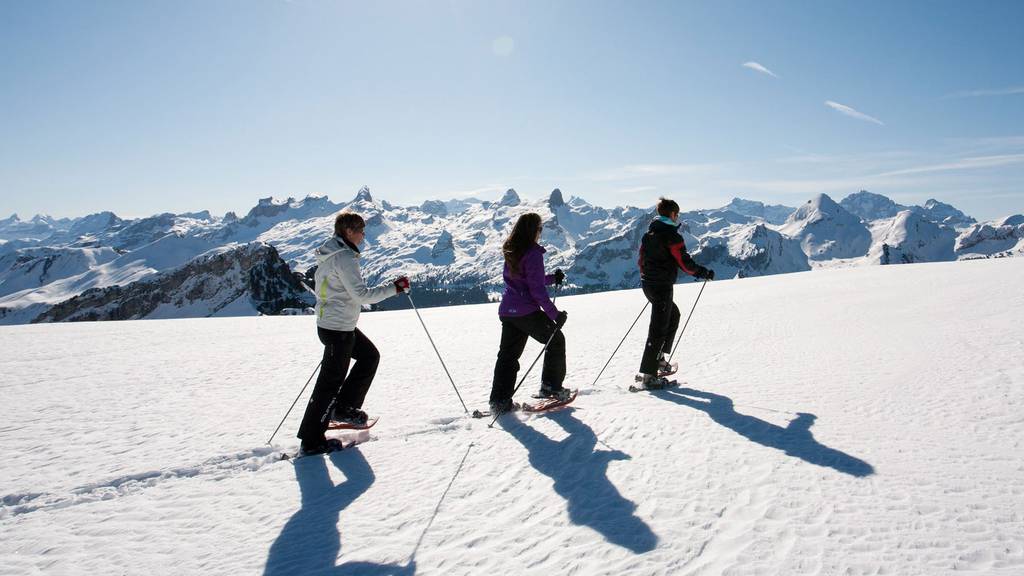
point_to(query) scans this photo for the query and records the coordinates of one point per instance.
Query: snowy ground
(849, 421)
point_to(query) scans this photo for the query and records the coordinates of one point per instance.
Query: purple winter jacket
(525, 293)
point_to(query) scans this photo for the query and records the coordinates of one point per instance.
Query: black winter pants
(515, 331)
(664, 323)
(332, 387)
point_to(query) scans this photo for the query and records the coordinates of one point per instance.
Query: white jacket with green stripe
(341, 291)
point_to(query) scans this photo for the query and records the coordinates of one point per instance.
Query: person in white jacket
(341, 293)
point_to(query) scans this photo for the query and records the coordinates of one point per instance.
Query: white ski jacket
(341, 291)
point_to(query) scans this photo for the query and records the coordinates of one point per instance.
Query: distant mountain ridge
(452, 249)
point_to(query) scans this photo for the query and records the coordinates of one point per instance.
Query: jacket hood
(660, 225)
(332, 246)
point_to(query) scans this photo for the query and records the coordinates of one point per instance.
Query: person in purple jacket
(527, 312)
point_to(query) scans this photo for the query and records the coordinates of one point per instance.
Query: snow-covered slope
(942, 213)
(755, 250)
(826, 426)
(165, 254)
(230, 281)
(1001, 238)
(826, 230)
(31, 268)
(909, 238)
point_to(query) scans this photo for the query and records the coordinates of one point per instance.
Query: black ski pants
(332, 386)
(515, 331)
(664, 323)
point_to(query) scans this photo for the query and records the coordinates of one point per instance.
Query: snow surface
(847, 421)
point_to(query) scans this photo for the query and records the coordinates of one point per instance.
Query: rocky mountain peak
(869, 206)
(556, 200)
(510, 198)
(821, 207)
(363, 195)
(943, 213)
(435, 207)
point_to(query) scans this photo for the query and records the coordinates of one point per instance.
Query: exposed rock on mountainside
(243, 280)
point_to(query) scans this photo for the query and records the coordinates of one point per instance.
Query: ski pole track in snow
(215, 468)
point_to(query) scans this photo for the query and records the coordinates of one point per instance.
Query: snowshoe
(666, 369)
(552, 403)
(497, 408)
(649, 382)
(341, 425)
(326, 447)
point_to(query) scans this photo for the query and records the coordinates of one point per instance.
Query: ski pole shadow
(795, 439)
(580, 474)
(310, 541)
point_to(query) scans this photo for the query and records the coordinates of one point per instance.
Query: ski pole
(687, 321)
(269, 440)
(527, 373)
(620, 343)
(438, 353)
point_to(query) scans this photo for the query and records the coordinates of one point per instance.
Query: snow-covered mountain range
(88, 267)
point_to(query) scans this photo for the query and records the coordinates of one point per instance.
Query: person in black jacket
(662, 255)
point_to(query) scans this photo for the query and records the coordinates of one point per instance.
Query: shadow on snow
(310, 541)
(795, 439)
(580, 474)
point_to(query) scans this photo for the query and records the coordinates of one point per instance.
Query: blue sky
(146, 107)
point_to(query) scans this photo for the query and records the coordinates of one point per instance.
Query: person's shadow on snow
(580, 474)
(795, 439)
(310, 541)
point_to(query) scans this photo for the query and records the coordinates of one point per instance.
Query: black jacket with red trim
(663, 254)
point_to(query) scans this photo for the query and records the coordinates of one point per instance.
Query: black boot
(504, 406)
(322, 447)
(349, 415)
(550, 391)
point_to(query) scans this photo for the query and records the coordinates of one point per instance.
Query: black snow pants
(664, 323)
(515, 331)
(332, 386)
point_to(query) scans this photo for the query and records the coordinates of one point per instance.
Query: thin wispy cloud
(882, 174)
(997, 92)
(987, 146)
(634, 171)
(844, 109)
(636, 189)
(801, 187)
(971, 163)
(862, 159)
(757, 67)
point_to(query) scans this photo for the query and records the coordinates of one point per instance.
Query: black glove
(705, 273)
(559, 276)
(562, 317)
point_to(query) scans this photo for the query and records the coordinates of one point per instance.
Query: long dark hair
(523, 235)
